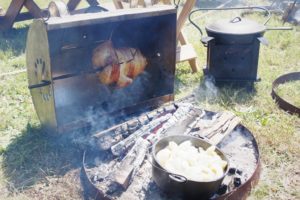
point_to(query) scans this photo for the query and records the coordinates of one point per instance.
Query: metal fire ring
(294, 76)
(241, 192)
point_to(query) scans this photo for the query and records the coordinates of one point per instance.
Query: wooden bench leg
(192, 62)
(33, 8)
(118, 4)
(11, 14)
(72, 4)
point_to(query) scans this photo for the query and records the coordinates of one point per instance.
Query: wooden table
(12, 15)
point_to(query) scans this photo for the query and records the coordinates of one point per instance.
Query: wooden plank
(33, 8)
(2, 11)
(118, 4)
(185, 52)
(223, 124)
(72, 4)
(131, 163)
(229, 127)
(190, 53)
(193, 61)
(182, 38)
(93, 2)
(134, 3)
(188, 6)
(11, 14)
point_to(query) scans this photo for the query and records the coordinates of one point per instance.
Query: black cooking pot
(178, 185)
(237, 30)
(233, 45)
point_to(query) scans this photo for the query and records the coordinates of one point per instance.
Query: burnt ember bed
(119, 166)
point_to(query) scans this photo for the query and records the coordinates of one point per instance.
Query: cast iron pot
(233, 46)
(178, 185)
(237, 30)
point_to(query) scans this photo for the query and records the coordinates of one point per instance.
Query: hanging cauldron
(233, 46)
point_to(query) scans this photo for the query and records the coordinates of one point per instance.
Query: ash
(143, 187)
(241, 153)
(127, 173)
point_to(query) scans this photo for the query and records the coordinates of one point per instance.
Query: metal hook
(176, 4)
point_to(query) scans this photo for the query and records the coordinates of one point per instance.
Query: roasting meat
(122, 65)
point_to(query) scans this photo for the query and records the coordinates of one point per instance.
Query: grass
(288, 91)
(31, 162)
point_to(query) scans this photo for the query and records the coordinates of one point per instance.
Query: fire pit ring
(239, 192)
(283, 104)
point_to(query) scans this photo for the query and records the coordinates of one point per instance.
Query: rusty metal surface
(283, 104)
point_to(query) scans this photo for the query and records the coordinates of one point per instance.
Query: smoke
(207, 90)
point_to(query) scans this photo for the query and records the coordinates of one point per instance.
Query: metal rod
(49, 82)
(279, 28)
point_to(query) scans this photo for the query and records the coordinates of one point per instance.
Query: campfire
(113, 73)
(120, 165)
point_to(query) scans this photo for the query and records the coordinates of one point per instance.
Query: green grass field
(34, 165)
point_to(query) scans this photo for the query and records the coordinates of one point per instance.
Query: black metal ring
(292, 109)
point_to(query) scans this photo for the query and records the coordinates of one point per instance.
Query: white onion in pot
(193, 163)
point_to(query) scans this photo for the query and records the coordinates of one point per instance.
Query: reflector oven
(102, 64)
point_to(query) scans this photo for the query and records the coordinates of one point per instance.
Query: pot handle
(206, 40)
(263, 40)
(177, 178)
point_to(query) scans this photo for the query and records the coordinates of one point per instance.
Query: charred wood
(121, 147)
(131, 163)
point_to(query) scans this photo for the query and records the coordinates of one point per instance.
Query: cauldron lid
(236, 26)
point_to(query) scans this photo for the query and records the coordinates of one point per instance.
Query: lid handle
(235, 20)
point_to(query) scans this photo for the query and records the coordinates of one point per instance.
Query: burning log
(134, 158)
(130, 177)
(181, 114)
(106, 139)
(217, 128)
(123, 145)
(131, 163)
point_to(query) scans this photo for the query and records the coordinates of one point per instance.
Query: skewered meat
(122, 65)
